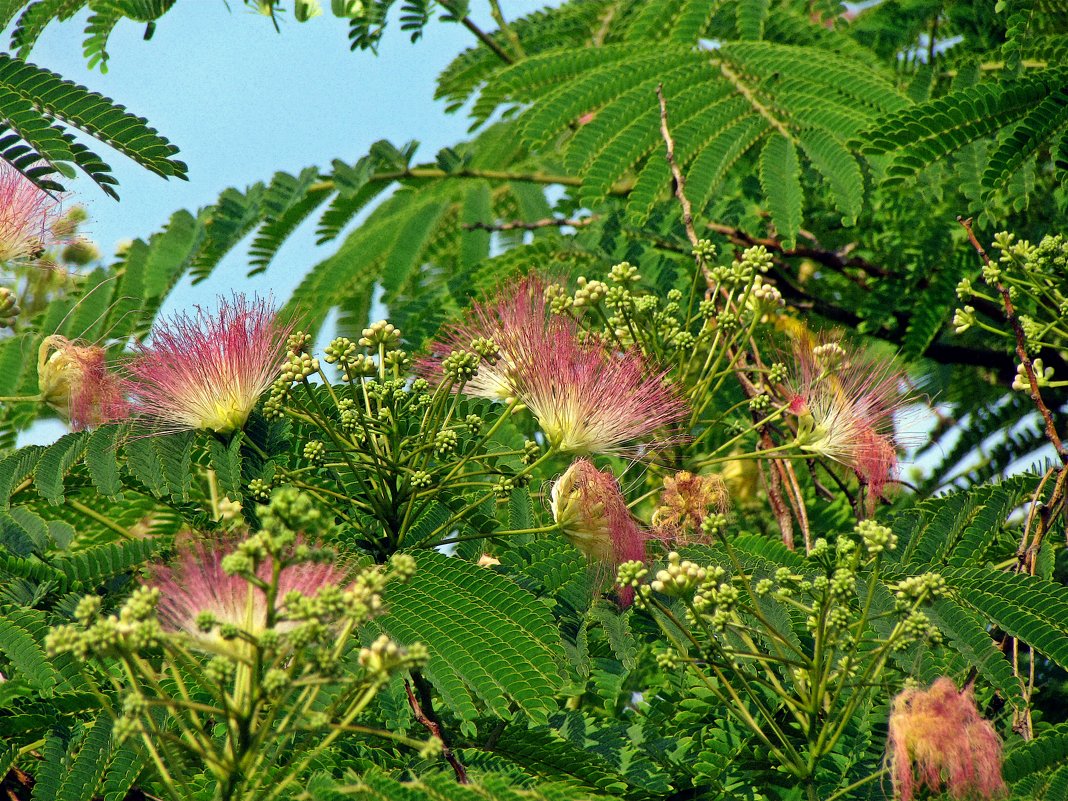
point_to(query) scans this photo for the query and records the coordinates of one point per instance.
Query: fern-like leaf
(452, 606)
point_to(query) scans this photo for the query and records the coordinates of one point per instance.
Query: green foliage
(489, 639)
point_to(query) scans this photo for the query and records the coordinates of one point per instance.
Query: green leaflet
(488, 639)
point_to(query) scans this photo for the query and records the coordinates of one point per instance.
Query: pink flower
(74, 380)
(208, 371)
(590, 510)
(196, 585)
(513, 322)
(845, 401)
(586, 397)
(590, 399)
(938, 740)
(26, 215)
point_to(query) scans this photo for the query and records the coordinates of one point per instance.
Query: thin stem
(101, 519)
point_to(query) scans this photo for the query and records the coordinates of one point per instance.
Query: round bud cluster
(624, 273)
(877, 538)
(504, 487)
(963, 319)
(1043, 376)
(384, 657)
(445, 442)
(460, 366)
(9, 307)
(765, 298)
(421, 479)
(274, 682)
(843, 585)
(924, 587)
(558, 299)
(531, 451)
(397, 360)
(380, 333)
(755, 260)
(402, 566)
(631, 573)
(432, 749)
(220, 669)
(679, 578)
(918, 627)
(298, 367)
(714, 524)
(276, 399)
(315, 451)
(618, 297)
(705, 250)
(341, 351)
(259, 490)
(643, 304)
(707, 309)
(590, 293)
(728, 321)
(474, 424)
(298, 342)
(683, 340)
(667, 660)
(760, 403)
(829, 355)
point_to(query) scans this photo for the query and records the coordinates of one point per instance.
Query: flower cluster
(845, 401)
(686, 502)
(589, 508)
(938, 740)
(74, 380)
(208, 371)
(27, 213)
(586, 397)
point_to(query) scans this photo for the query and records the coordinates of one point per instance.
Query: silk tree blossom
(590, 399)
(586, 397)
(590, 510)
(198, 597)
(207, 371)
(939, 741)
(845, 401)
(504, 328)
(74, 380)
(26, 216)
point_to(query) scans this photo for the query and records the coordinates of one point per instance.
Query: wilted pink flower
(938, 740)
(26, 215)
(845, 401)
(686, 501)
(196, 584)
(590, 510)
(74, 380)
(586, 397)
(208, 371)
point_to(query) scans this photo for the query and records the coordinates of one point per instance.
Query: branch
(520, 225)
(1021, 347)
(676, 173)
(432, 725)
(482, 36)
(505, 28)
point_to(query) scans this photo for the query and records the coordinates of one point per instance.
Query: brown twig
(1021, 347)
(432, 725)
(522, 225)
(676, 173)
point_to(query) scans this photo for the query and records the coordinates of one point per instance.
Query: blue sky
(242, 101)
